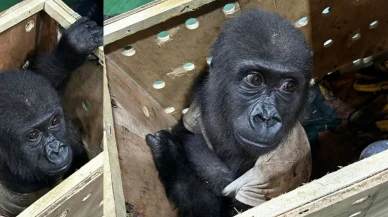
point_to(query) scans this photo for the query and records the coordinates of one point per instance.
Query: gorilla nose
(266, 114)
(56, 151)
(270, 121)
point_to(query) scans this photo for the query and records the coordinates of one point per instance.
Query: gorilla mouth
(250, 142)
(57, 171)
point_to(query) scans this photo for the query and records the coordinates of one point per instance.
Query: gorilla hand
(84, 36)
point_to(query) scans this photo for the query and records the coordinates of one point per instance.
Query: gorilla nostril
(271, 122)
(259, 118)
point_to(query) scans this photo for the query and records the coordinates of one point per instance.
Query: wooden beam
(134, 22)
(19, 12)
(60, 12)
(65, 191)
(114, 202)
(373, 170)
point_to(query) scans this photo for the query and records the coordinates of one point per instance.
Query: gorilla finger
(152, 141)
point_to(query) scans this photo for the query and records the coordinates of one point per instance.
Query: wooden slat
(60, 12)
(113, 189)
(148, 17)
(354, 179)
(19, 12)
(69, 194)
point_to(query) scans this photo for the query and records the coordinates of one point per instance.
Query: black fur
(90, 8)
(242, 121)
(30, 99)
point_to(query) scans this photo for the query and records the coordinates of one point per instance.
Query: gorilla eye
(55, 121)
(289, 86)
(254, 79)
(33, 135)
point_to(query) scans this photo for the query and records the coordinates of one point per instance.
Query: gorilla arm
(71, 52)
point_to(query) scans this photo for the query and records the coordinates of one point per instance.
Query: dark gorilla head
(33, 130)
(257, 86)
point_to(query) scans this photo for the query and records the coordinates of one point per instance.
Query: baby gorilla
(38, 145)
(248, 104)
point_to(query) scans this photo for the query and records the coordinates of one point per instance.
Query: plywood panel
(83, 104)
(48, 34)
(16, 44)
(141, 184)
(142, 187)
(345, 19)
(153, 62)
(133, 108)
(293, 10)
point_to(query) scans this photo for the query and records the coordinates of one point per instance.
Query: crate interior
(140, 108)
(82, 100)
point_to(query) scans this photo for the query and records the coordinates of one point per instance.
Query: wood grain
(17, 45)
(142, 187)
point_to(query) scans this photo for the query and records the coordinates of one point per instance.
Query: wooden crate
(31, 26)
(359, 189)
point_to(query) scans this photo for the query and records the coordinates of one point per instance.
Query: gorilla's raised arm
(71, 52)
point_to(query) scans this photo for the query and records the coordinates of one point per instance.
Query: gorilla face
(262, 102)
(44, 144)
(34, 136)
(258, 81)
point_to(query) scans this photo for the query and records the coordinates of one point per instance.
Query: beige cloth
(276, 172)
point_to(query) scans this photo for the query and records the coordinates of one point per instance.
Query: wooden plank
(151, 16)
(16, 44)
(61, 12)
(345, 202)
(79, 195)
(19, 12)
(113, 190)
(185, 46)
(142, 187)
(83, 100)
(354, 179)
(379, 206)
